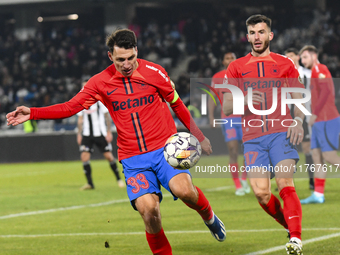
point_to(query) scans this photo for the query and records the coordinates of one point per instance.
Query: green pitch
(42, 211)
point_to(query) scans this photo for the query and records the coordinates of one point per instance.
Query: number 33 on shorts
(138, 182)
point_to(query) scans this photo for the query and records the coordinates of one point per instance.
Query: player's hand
(312, 120)
(109, 137)
(79, 138)
(206, 146)
(257, 98)
(20, 115)
(295, 133)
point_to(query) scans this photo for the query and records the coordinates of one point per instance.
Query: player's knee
(109, 156)
(150, 213)
(186, 194)
(262, 195)
(85, 157)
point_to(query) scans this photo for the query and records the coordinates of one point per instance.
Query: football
(182, 150)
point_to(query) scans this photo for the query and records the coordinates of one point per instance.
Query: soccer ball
(182, 150)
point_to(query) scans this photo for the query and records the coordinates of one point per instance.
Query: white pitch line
(304, 242)
(93, 205)
(84, 206)
(62, 209)
(168, 232)
(11, 175)
(219, 188)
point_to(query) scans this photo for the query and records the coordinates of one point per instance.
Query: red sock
(292, 211)
(234, 173)
(319, 185)
(274, 209)
(244, 175)
(202, 206)
(158, 243)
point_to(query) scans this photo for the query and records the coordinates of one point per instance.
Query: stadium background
(48, 47)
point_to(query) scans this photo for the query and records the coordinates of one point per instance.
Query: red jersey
(219, 78)
(136, 104)
(323, 94)
(263, 74)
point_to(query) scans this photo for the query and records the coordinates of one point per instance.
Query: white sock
(297, 240)
(318, 194)
(211, 221)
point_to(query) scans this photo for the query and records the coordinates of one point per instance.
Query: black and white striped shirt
(94, 120)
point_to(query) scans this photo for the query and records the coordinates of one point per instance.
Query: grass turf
(43, 212)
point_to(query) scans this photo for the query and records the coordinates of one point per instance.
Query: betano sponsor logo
(132, 103)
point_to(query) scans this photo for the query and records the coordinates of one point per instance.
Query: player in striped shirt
(94, 128)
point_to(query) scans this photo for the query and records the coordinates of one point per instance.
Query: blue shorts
(146, 172)
(233, 132)
(268, 150)
(325, 135)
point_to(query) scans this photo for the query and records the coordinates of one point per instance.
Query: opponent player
(305, 75)
(232, 134)
(325, 121)
(269, 144)
(94, 128)
(135, 92)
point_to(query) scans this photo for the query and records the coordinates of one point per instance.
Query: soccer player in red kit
(135, 92)
(325, 121)
(269, 145)
(232, 135)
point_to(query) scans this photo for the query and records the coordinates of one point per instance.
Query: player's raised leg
(148, 207)
(182, 187)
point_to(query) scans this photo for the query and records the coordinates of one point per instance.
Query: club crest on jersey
(142, 86)
(275, 70)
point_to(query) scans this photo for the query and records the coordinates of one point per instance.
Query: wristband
(299, 119)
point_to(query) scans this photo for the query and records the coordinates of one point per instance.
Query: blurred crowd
(49, 67)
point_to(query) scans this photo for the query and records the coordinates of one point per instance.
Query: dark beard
(266, 45)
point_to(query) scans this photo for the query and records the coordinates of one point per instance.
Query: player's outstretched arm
(20, 115)
(57, 111)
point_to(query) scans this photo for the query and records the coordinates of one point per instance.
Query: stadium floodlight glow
(73, 16)
(58, 18)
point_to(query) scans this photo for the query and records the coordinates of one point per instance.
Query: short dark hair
(123, 38)
(259, 18)
(292, 50)
(228, 52)
(309, 48)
